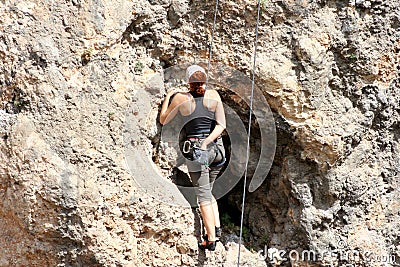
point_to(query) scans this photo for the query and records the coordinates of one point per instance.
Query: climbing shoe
(210, 245)
(205, 237)
(218, 231)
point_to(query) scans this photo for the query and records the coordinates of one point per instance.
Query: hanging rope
(211, 43)
(251, 108)
(355, 11)
(249, 131)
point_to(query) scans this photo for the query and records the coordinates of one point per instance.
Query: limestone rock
(73, 74)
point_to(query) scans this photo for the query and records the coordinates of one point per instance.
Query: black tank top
(201, 120)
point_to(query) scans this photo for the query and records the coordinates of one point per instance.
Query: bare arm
(221, 122)
(168, 112)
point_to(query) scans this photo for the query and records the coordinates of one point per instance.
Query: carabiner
(186, 146)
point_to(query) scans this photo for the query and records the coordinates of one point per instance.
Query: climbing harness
(192, 150)
(249, 130)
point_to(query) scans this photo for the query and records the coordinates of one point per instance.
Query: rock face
(69, 72)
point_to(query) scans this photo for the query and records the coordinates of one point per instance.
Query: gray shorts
(202, 176)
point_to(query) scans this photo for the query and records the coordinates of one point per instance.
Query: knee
(205, 202)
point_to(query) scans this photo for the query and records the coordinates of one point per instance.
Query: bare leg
(207, 212)
(216, 212)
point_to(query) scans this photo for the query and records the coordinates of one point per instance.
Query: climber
(204, 117)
